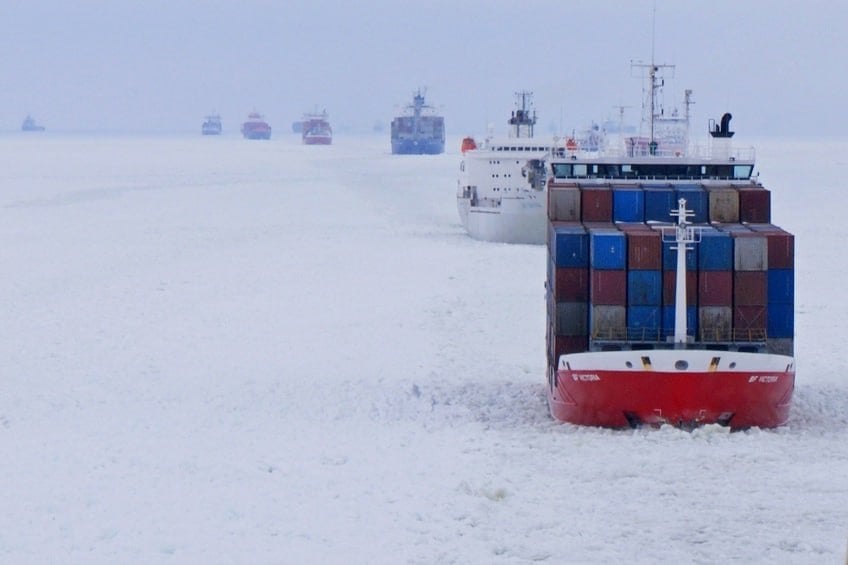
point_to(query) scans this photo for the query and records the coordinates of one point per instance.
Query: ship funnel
(722, 130)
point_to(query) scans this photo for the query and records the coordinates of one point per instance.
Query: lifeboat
(468, 144)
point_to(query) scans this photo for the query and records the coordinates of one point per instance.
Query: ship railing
(698, 152)
(654, 335)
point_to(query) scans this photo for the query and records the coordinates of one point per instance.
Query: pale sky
(161, 65)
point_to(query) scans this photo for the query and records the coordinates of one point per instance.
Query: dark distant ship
(316, 129)
(420, 131)
(212, 125)
(30, 125)
(255, 127)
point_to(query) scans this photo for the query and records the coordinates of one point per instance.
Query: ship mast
(684, 234)
(522, 121)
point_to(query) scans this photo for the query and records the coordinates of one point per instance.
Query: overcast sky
(161, 65)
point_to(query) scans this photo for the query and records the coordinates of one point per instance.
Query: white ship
(494, 198)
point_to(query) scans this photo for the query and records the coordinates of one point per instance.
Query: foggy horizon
(162, 66)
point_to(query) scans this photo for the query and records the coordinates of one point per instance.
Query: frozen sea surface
(222, 351)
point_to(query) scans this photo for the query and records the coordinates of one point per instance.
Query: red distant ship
(316, 129)
(255, 127)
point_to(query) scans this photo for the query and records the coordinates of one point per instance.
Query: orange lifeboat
(468, 144)
(571, 144)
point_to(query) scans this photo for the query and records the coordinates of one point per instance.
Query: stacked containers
(644, 281)
(608, 292)
(605, 279)
(750, 261)
(780, 302)
(567, 289)
(715, 285)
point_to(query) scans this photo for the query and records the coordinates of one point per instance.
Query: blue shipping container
(569, 246)
(691, 320)
(607, 249)
(644, 318)
(628, 204)
(781, 286)
(715, 252)
(659, 202)
(781, 320)
(697, 200)
(644, 288)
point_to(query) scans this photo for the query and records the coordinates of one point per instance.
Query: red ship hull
(317, 140)
(739, 390)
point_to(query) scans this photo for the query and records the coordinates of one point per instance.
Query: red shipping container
(670, 288)
(644, 250)
(609, 287)
(571, 284)
(781, 245)
(749, 322)
(755, 205)
(715, 288)
(596, 204)
(563, 345)
(750, 288)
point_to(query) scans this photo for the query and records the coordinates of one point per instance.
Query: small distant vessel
(255, 127)
(420, 131)
(494, 198)
(29, 124)
(211, 125)
(316, 129)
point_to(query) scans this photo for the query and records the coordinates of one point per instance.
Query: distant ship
(316, 129)
(255, 127)
(420, 131)
(30, 125)
(212, 125)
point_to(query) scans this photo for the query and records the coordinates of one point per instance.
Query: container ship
(316, 130)
(255, 127)
(420, 131)
(670, 294)
(494, 201)
(211, 125)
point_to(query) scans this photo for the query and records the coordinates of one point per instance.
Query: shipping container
(750, 251)
(723, 205)
(607, 249)
(644, 249)
(749, 322)
(715, 251)
(569, 344)
(780, 243)
(715, 288)
(715, 323)
(781, 346)
(569, 244)
(571, 319)
(564, 203)
(608, 287)
(647, 319)
(596, 204)
(659, 202)
(608, 321)
(755, 205)
(781, 286)
(571, 284)
(750, 288)
(781, 320)
(628, 204)
(644, 288)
